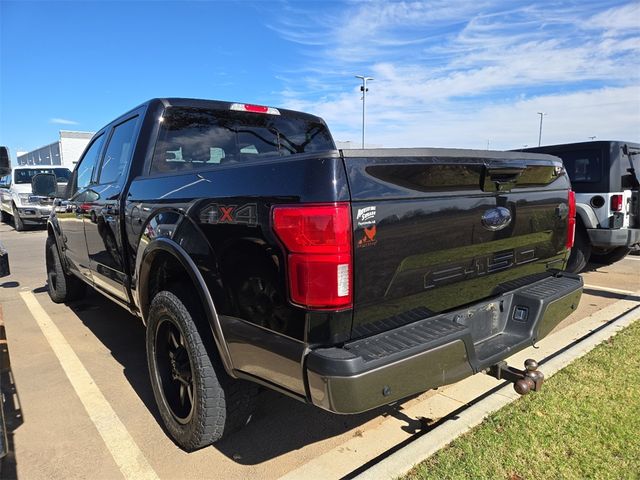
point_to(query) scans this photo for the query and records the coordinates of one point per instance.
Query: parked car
(17, 200)
(258, 254)
(605, 176)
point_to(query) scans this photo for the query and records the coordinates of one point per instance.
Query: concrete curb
(402, 461)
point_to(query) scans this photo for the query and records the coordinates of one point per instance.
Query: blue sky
(447, 73)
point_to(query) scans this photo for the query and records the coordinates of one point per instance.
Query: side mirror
(5, 162)
(44, 185)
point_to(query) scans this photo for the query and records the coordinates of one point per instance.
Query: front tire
(198, 402)
(18, 224)
(60, 286)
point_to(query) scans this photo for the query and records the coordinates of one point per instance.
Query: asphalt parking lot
(52, 434)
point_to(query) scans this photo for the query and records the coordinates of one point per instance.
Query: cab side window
(84, 171)
(118, 154)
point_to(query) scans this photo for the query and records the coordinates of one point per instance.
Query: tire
(60, 286)
(611, 256)
(18, 224)
(198, 402)
(580, 253)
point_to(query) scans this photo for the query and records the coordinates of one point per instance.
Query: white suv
(17, 201)
(605, 176)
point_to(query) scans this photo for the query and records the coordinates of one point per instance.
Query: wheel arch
(53, 230)
(586, 214)
(164, 255)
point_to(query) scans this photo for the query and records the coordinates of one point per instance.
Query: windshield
(24, 175)
(193, 138)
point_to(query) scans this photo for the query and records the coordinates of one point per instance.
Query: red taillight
(616, 203)
(571, 219)
(318, 242)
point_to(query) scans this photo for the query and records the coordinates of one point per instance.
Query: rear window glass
(24, 175)
(583, 166)
(195, 138)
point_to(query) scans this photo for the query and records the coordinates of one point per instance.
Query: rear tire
(611, 256)
(198, 402)
(18, 224)
(580, 253)
(60, 286)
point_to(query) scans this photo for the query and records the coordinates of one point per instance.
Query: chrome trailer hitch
(523, 381)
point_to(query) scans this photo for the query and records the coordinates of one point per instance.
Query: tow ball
(523, 381)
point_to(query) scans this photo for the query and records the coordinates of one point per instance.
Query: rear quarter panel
(222, 217)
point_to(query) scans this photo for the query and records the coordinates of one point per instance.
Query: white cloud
(62, 121)
(606, 113)
(461, 73)
(619, 21)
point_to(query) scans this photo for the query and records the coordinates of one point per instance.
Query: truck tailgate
(439, 229)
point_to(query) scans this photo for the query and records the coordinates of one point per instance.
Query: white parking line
(120, 444)
(629, 257)
(612, 290)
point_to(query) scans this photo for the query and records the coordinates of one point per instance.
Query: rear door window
(118, 154)
(196, 138)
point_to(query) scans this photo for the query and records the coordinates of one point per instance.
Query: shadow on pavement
(606, 294)
(123, 334)
(280, 424)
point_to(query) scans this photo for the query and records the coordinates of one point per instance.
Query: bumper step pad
(438, 350)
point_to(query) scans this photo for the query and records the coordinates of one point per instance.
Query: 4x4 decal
(215, 213)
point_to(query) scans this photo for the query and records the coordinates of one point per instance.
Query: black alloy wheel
(175, 370)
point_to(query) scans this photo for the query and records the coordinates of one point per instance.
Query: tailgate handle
(500, 178)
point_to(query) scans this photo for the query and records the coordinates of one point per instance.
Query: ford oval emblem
(496, 218)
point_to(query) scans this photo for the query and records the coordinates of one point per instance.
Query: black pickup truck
(257, 254)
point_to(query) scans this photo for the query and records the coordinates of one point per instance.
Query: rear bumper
(440, 350)
(614, 237)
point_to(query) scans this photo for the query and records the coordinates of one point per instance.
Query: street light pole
(542, 114)
(364, 90)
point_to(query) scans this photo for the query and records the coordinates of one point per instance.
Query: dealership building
(65, 152)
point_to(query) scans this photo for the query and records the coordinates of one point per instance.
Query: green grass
(585, 423)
